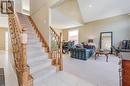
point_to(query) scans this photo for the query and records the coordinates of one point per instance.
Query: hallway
(5, 62)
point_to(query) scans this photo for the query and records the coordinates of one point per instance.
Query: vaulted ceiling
(66, 15)
(61, 21)
(84, 11)
(92, 10)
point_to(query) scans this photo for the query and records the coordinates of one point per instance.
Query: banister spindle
(61, 60)
(57, 58)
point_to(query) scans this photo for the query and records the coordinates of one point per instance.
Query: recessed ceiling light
(90, 6)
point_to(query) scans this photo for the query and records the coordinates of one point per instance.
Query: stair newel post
(56, 59)
(24, 58)
(53, 57)
(60, 59)
(49, 53)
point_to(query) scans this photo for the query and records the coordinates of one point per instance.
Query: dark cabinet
(125, 72)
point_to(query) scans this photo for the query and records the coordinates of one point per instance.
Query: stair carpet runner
(43, 73)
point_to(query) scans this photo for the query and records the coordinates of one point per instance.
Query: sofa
(82, 53)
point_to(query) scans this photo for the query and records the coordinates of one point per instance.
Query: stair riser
(36, 54)
(36, 59)
(35, 69)
(33, 41)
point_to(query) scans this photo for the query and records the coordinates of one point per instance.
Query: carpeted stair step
(41, 65)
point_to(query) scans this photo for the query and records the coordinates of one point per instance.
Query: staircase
(33, 67)
(37, 57)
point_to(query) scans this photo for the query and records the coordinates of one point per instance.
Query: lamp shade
(90, 40)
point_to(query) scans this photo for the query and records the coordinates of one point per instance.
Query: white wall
(40, 15)
(22, 6)
(18, 5)
(3, 21)
(120, 26)
(26, 7)
(2, 38)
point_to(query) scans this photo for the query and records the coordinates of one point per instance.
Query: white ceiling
(87, 11)
(61, 21)
(92, 10)
(66, 15)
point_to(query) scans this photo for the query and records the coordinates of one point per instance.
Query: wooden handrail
(18, 22)
(40, 35)
(57, 53)
(55, 32)
(19, 50)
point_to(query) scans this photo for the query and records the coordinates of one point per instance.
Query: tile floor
(10, 76)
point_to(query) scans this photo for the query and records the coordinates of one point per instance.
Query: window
(73, 36)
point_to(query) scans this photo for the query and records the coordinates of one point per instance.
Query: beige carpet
(98, 72)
